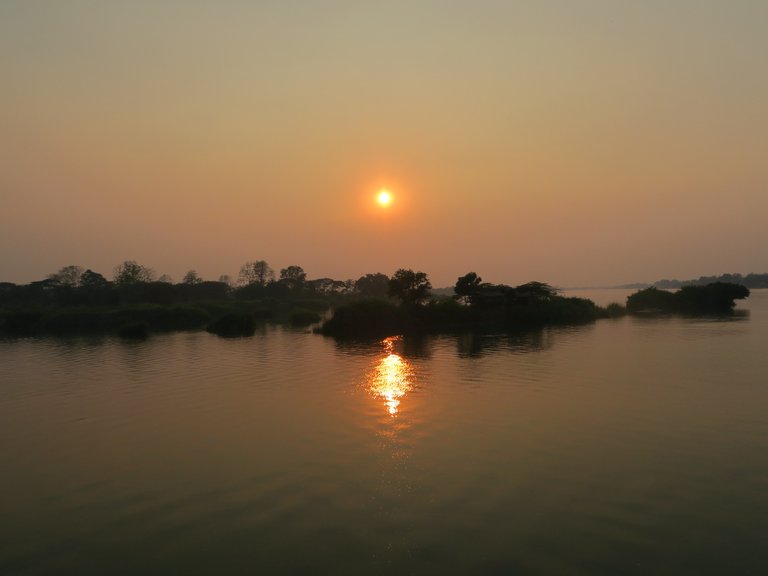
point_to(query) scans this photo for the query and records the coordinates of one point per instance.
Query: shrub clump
(233, 324)
(364, 318)
(134, 331)
(301, 318)
(615, 310)
(651, 300)
(714, 298)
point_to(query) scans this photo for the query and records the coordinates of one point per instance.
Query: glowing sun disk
(384, 197)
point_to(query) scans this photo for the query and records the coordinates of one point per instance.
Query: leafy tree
(191, 277)
(468, 287)
(68, 276)
(409, 287)
(293, 277)
(225, 279)
(256, 273)
(130, 272)
(536, 291)
(165, 279)
(373, 285)
(91, 279)
(95, 289)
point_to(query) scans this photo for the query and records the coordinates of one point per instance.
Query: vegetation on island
(475, 305)
(136, 303)
(714, 298)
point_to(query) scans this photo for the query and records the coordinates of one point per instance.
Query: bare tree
(68, 276)
(258, 273)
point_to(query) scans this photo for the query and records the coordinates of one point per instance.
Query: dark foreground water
(624, 447)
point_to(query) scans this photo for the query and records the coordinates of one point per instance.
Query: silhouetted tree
(130, 272)
(256, 273)
(373, 285)
(191, 277)
(535, 292)
(94, 289)
(293, 277)
(91, 279)
(225, 279)
(409, 287)
(165, 279)
(468, 287)
(67, 276)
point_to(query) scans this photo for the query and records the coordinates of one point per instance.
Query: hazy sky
(571, 142)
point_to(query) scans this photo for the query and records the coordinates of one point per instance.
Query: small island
(475, 305)
(713, 298)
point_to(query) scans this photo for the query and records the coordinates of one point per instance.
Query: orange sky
(576, 143)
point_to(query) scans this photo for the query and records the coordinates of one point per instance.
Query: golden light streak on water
(392, 378)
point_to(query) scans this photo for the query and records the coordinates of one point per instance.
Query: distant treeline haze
(751, 280)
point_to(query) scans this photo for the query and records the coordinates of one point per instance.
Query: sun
(384, 198)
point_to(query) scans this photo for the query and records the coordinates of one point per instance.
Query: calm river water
(629, 446)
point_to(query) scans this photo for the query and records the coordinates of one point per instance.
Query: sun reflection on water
(392, 377)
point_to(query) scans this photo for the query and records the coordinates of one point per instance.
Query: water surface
(629, 446)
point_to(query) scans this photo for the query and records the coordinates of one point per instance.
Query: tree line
(750, 280)
(135, 301)
(132, 282)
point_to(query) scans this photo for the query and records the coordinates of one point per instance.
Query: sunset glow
(298, 137)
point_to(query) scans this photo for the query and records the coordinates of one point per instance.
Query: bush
(76, 320)
(134, 331)
(233, 324)
(304, 318)
(20, 322)
(714, 298)
(615, 310)
(651, 300)
(364, 318)
(179, 318)
(717, 297)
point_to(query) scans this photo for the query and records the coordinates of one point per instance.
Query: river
(627, 446)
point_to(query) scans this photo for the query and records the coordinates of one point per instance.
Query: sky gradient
(577, 143)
